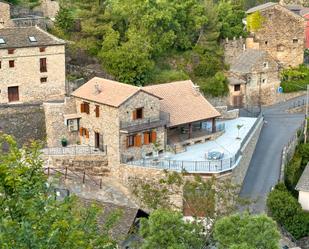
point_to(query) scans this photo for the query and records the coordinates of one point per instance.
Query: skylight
(32, 39)
(2, 41)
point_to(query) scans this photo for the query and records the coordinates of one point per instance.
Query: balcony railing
(74, 150)
(146, 123)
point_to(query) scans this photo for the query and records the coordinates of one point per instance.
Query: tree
(64, 20)
(247, 231)
(230, 17)
(167, 229)
(30, 215)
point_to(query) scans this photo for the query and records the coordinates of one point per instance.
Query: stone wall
(285, 43)
(239, 173)
(5, 15)
(49, 8)
(125, 173)
(233, 48)
(96, 165)
(26, 74)
(24, 122)
(56, 127)
(226, 113)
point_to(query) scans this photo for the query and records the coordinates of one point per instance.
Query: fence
(69, 174)
(74, 150)
(207, 166)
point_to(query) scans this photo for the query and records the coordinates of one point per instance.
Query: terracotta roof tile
(106, 92)
(183, 102)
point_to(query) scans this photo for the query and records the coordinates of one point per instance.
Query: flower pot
(64, 142)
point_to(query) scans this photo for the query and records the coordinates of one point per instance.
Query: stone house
(282, 34)
(32, 66)
(253, 78)
(49, 8)
(136, 122)
(303, 189)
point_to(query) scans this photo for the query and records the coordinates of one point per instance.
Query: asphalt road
(263, 173)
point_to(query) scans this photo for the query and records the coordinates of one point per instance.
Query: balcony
(145, 123)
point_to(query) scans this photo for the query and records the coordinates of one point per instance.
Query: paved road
(264, 169)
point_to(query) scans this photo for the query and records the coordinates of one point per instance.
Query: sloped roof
(18, 37)
(183, 102)
(303, 183)
(244, 62)
(260, 7)
(235, 80)
(110, 92)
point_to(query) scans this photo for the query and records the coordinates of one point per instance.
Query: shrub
(215, 86)
(293, 172)
(286, 210)
(295, 79)
(166, 76)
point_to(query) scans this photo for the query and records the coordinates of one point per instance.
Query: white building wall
(303, 199)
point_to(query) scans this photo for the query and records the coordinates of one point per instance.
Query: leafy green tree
(215, 86)
(30, 215)
(247, 231)
(230, 16)
(64, 20)
(167, 229)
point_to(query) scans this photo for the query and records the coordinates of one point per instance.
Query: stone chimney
(97, 89)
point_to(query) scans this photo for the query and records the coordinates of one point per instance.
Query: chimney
(97, 89)
(196, 90)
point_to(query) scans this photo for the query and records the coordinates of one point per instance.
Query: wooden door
(13, 93)
(238, 101)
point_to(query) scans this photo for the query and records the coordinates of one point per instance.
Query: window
(237, 88)
(0, 64)
(2, 41)
(42, 49)
(43, 79)
(32, 39)
(43, 65)
(266, 42)
(134, 141)
(130, 141)
(265, 65)
(13, 93)
(97, 111)
(138, 114)
(150, 137)
(84, 107)
(147, 138)
(12, 63)
(295, 40)
(264, 80)
(11, 51)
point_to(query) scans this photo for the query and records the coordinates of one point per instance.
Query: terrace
(195, 158)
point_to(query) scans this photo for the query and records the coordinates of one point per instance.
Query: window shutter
(82, 107)
(128, 143)
(146, 138)
(97, 111)
(81, 131)
(138, 140)
(87, 107)
(87, 133)
(153, 136)
(134, 115)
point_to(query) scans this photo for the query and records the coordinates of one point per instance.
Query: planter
(64, 142)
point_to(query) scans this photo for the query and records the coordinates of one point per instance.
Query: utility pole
(306, 116)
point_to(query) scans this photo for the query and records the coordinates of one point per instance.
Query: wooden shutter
(86, 107)
(97, 111)
(134, 115)
(153, 136)
(128, 141)
(138, 141)
(87, 133)
(82, 107)
(43, 65)
(146, 138)
(81, 131)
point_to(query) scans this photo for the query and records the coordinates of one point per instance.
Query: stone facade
(5, 15)
(49, 8)
(260, 85)
(27, 77)
(56, 128)
(282, 35)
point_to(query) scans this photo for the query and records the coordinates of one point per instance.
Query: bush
(286, 210)
(295, 79)
(215, 86)
(166, 76)
(293, 172)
